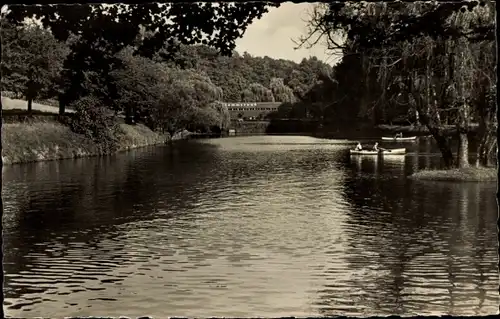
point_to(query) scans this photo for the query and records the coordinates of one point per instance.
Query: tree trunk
(479, 151)
(492, 148)
(463, 150)
(433, 125)
(128, 115)
(441, 140)
(363, 101)
(30, 106)
(483, 155)
(135, 115)
(444, 147)
(62, 105)
(483, 138)
(463, 141)
(171, 132)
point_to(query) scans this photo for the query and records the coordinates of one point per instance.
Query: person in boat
(375, 147)
(358, 147)
(399, 135)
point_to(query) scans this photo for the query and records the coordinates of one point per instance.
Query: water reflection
(413, 254)
(256, 226)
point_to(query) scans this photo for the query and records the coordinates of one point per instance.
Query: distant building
(251, 110)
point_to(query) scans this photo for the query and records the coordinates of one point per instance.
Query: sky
(272, 35)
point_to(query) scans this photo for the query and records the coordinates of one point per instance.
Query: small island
(471, 174)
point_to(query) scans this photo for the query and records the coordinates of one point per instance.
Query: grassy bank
(50, 140)
(473, 174)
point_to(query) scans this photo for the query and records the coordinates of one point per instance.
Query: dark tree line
(434, 61)
(127, 59)
(105, 60)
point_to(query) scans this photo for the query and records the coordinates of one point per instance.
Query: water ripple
(264, 226)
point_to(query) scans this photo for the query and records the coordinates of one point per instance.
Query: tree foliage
(166, 97)
(214, 24)
(191, 98)
(432, 58)
(168, 65)
(237, 73)
(281, 92)
(137, 84)
(96, 122)
(32, 60)
(100, 32)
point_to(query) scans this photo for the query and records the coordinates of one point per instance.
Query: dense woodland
(431, 63)
(166, 90)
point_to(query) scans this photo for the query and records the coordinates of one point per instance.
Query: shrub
(96, 122)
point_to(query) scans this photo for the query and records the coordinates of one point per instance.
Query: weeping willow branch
(388, 65)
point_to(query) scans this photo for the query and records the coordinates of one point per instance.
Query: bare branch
(388, 65)
(336, 45)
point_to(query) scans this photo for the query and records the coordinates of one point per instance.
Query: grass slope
(49, 140)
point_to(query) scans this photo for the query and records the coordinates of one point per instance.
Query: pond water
(247, 226)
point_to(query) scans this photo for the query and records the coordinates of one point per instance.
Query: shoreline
(50, 140)
(472, 174)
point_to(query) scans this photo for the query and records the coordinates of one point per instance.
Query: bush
(96, 122)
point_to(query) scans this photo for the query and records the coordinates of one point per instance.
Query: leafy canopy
(214, 24)
(31, 60)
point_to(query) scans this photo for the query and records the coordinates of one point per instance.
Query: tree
(189, 99)
(426, 50)
(296, 80)
(220, 23)
(96, 122)
(281, 92)
(138, 85)
(31, 61)
(234, 74)
(261, 93)
(248, 96)
(102, 32)
(484, 103)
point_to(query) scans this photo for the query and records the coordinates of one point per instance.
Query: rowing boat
(394, 151)
(410, 138)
